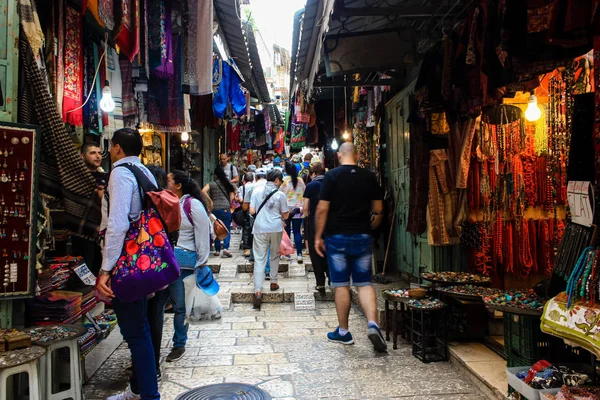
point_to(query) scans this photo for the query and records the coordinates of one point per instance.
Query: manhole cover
(225, 391)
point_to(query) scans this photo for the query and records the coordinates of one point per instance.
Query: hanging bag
(285, 247)
(186, 258)
(147, 262)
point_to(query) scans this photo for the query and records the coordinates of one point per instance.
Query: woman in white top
(192, 251)
(293, 188)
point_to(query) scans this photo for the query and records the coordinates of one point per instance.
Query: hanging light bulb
(346, 135)
(533, 112)
(185, 137)
(334, 144)
(107, 104)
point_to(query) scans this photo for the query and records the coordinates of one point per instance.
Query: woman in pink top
(293, 188)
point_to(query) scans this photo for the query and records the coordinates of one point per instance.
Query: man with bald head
(350, 207)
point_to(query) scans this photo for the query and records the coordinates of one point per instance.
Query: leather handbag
(219, 227)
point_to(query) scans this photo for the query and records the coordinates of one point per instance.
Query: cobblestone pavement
(285, 352)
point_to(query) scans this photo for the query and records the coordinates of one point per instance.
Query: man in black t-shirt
(350, 207)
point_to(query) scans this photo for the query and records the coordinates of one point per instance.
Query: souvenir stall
(366, 126)
(502, 137)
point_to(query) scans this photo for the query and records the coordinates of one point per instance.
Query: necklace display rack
(19, 153)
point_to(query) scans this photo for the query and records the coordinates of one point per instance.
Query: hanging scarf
(128, 100)
(160, 39)
(31, 26)
(60, 62)
(63, 173)
(73, 85)
(113, 73)
(165, 99)
(105, 10)
(197, 46)
(90, 110)
(127, 38)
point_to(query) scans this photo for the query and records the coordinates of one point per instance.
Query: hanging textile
(30, 23)
(63, 174)
(165, 99)
(438, 194)
(128, 38)
(298, 139)
(197, 46)
(160, 40)
(228, 90)
(202, 112)
(105, 11)
(113, 74)
(90, 110)
(73, 62)
(128, 99)
(279, 145)
(233, 135)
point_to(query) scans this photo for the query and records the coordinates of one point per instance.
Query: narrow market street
(285, 352)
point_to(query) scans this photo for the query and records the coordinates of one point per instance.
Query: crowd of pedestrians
(331, 214)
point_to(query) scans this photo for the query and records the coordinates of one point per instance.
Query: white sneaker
(126, 395)
(300, 259)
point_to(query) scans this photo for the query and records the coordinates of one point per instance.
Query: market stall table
(428, 330)
(19, 361)
(400, 324)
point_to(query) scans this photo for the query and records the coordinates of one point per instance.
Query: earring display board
(19, 154)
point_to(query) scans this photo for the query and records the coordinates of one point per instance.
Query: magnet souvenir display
(18, 182)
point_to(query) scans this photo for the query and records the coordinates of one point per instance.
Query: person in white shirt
(269, 207)
(230, 170)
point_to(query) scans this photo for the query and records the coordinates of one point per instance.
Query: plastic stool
(26, 361)
(47, 371)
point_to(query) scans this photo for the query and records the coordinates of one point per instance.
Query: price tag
(86, 276)
(581, 202)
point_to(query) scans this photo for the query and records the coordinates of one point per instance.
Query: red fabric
(128, 39)
(73, 86)
(279, 142)
(233, 137)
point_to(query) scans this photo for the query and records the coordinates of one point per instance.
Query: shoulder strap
(145, 185)
(231, 169)
(187, 208)
(265, 202)
(222, 191)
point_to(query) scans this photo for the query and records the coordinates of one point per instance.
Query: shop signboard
(581, 202)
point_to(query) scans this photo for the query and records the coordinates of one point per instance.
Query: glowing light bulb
(107, 104)
(346, 135)
(334, 144)
(533, 112)
(185, 137)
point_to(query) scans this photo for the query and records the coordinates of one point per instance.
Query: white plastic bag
(200, 307)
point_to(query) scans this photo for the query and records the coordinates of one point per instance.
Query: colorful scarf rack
(583, 282)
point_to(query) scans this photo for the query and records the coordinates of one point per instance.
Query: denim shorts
(349, 256)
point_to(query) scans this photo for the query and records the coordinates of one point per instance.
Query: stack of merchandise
(87, 341)
(57, 272)
(57, 307)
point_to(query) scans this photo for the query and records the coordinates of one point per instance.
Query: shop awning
(257, 70)
(228, 12)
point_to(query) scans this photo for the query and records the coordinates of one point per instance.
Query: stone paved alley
(285, 352)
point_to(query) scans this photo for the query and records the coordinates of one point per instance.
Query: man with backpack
(230, 170)
(304, 172)
(123, 205)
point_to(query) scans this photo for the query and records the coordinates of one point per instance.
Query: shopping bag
(285, 247)
(200, 307)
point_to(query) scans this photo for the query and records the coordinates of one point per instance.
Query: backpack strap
(265, 202)
(145, 185)
(187, 208)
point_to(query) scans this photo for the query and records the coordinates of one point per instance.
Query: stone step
(246, 295)
(248, 267)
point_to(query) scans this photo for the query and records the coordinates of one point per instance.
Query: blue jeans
(225, 216)
(295, 224)
(156, 319)
(349, 256)
(133, 321)
(177, 293)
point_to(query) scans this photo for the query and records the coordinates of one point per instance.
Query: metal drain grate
(225, 391)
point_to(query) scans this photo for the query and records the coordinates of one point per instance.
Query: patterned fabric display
(298, 136)
(147, 262)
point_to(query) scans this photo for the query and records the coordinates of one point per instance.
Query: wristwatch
(104, 272)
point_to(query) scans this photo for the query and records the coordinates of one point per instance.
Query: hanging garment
(197, 47)
(228, 90)
(128, 37)
(202, 112)
(63, 173)
(105, 10)
(298, 139)
(73, 62)
(436, 208)
(279, 145)
(165, 99)
(113, 75)
(128, 99)
(160, 40)
(31, 26)
(90, 110)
